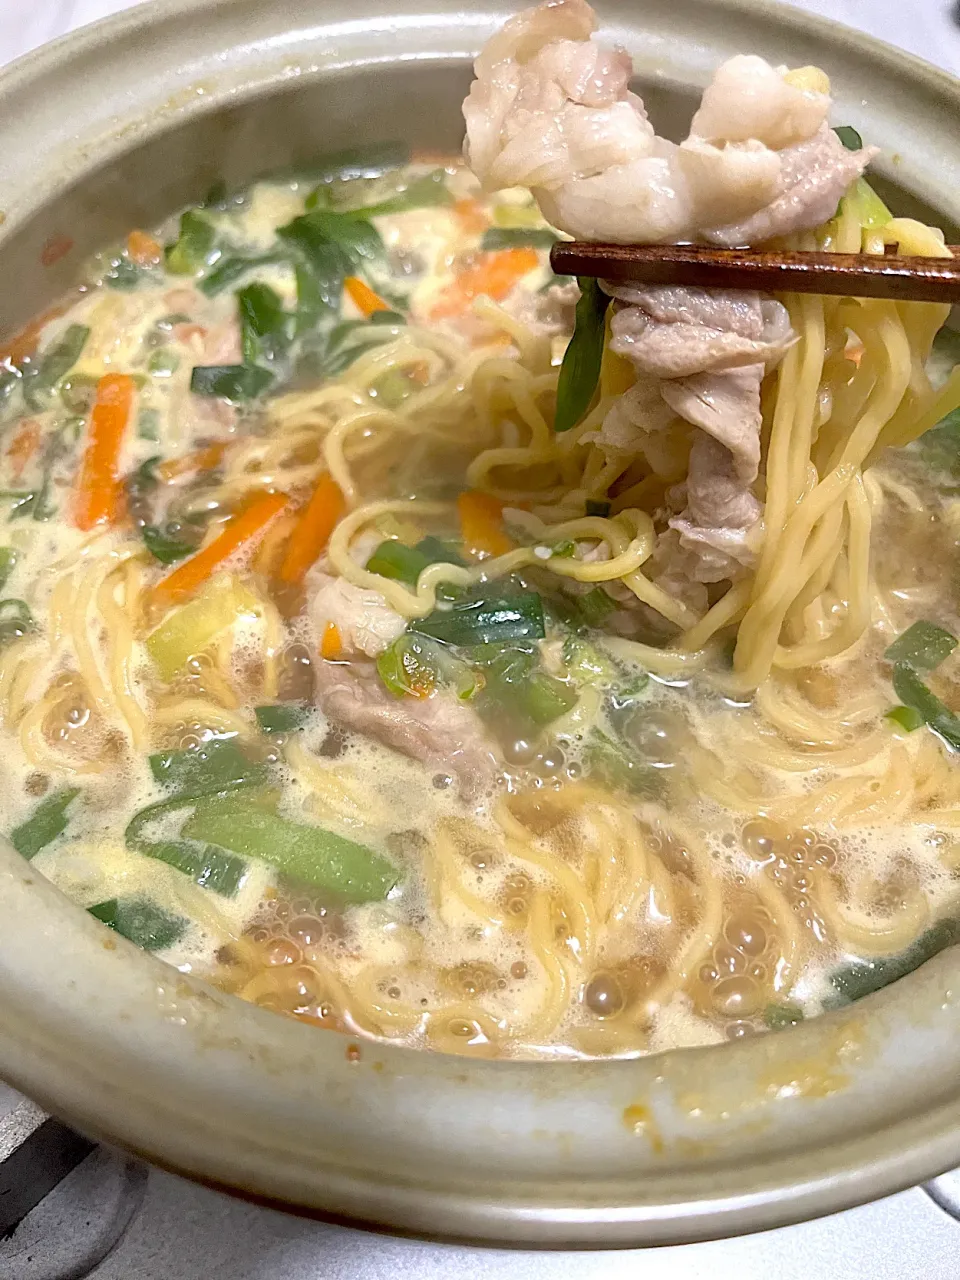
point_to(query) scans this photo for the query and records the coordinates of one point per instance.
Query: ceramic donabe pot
(116, 127)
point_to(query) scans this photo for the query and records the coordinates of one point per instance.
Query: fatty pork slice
(364, 621)
(721, 522)
(814, 176)
(438, 730)
(552, 111)
(672, 331)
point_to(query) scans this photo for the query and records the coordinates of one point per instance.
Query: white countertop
(924, 27)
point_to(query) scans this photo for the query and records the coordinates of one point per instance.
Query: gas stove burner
(64, 1202)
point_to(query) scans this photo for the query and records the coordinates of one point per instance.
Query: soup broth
(333, 672)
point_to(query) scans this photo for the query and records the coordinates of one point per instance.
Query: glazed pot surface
(120, 125)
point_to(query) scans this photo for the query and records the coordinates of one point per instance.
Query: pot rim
(692, 1144)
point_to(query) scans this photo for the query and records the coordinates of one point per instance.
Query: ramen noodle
(401, 664)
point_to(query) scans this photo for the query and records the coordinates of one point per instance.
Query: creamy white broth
(551, 832)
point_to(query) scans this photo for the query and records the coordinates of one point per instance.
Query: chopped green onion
(8, 560)
(307, 854)
(214, 766)
(486, 620)
(595, 605)
(905, 717)
(163, 363)
(580, 370)
(263, 322)
(392, 559)
(437, 551)
(777, 1016)
(210, 867)
(192, 249)
(169, 548)
(282, 717)
(587, 664)
(863, 977)
(628, 693)
(54, 365)
(148, 425)
(616, 769)
(355, 239)
(428, 190)
(15, 620)
(923, 646)
(48, 820)
(124, 275)
(546, 699)
(230, 381)
(564, 550)
(940, 446)
(913, 693)
(518, 238)
(231, 270)
(141, 922)
(866, 206)
(314, 297)
(406, 667)
(849, 137)
(217, 197)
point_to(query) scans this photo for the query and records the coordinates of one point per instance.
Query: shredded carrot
(143, 249)
(481, 522)
(24, 343)
(331, 644)
(189, 576)
(318, 521)
(200, 460)
(364, 297)
(471, 214)
(99, 494)
(273, 545)
(493, 274)
(23, 446)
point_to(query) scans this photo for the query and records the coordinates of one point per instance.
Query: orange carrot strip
(24, 343)
(481, 522)
(364, 297)
(493, 274)
(200, 460)
(331, 644)
(143, 249)
(189, 576)
(23, 446)
(318, 521)
(99, 494)
(471, 214)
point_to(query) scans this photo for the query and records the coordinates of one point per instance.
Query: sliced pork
(814, 174)
(672, 332)
(721, 521)
(552, 111)
(364, 621)
(438, 730)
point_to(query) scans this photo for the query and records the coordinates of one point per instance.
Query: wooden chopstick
(854, 275)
